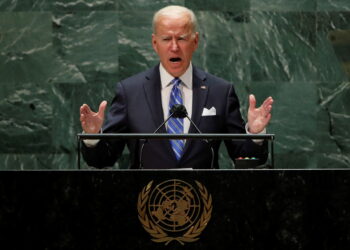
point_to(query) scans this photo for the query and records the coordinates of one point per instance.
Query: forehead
(173, 24)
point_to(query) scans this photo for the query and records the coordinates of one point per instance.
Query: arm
(105, 152)
(258, 119)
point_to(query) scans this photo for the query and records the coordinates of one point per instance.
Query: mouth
(175, 59)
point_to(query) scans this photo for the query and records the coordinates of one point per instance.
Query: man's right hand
(91, 122)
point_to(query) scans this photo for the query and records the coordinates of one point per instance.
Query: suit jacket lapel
(199, 98)
(152, 88)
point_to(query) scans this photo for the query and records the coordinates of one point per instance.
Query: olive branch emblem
(158, 234)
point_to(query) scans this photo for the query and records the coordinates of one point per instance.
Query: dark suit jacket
(137, 108)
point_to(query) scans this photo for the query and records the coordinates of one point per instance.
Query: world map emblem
(174, 210)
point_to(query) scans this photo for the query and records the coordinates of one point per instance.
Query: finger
(82, 109)
(266, 111)
(84, 117)
(252, 102)
(85, 109)
(268, 101)
(102, 108)
(269, 108)
(267, 105)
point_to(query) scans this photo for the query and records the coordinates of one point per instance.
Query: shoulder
(211, 80)
(138, 79)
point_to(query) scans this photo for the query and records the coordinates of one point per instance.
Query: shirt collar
(166, 78)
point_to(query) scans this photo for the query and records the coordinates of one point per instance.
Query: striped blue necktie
(176, 125)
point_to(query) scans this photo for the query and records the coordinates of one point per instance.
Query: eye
(183, 38)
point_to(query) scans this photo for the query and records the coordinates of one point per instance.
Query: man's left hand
(258, 118)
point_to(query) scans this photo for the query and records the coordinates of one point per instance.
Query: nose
(174, 46)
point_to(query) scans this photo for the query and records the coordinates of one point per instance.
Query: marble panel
(131, 5)
(283, 5)
(283, 46)
(25, 120)
(333, 5)
(39, 161)
(25, 103)
(214, 5)
(333, 46)
(339, 110)
(27, 53)
(28, 5)
(24, 31)
(329, 154)
(29, 67)
(89, 41)
(85, 5)
(135, 43)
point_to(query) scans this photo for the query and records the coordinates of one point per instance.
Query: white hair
(175, 11)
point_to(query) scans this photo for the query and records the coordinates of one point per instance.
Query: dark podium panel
(251, 209)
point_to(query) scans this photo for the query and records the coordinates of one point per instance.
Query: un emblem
(174, 211)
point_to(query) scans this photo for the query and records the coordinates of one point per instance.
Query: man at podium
(143, 102)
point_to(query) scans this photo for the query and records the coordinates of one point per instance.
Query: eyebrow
(181, 36)
(185, 36)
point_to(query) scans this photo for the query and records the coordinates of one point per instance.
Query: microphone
(179, 111)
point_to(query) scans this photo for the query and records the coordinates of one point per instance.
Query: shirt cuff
(257, 141)
(90, 143)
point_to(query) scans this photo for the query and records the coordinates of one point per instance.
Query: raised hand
(91, 122)
(258, 118)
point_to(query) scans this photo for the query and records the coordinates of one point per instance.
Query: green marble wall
(56, 55)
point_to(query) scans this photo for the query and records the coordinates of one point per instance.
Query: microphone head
(178, 111)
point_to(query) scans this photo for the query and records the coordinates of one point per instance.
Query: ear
(196, 40)
(154, 43)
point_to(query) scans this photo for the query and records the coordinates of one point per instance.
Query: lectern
(200, 136)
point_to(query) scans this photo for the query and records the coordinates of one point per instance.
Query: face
(175, 43)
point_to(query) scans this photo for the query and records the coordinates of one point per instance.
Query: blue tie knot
(176, 81)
